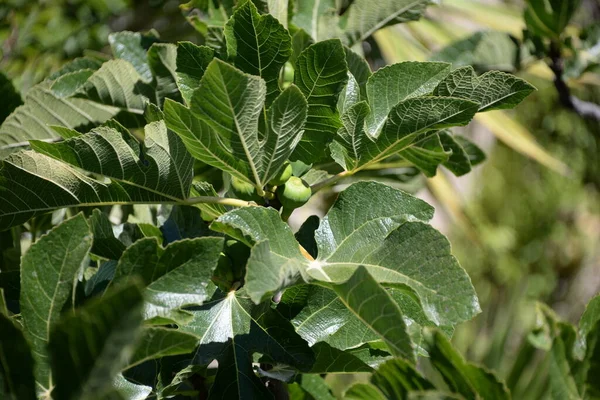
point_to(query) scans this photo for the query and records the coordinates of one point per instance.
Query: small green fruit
(294, 193)
(244, 190)
(283, 176)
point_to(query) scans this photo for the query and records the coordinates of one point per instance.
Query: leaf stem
(218, 200)
(329, 181)
(386, 165)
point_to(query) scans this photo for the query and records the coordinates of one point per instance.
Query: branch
(217, 200)
(583, 108)
(329, 181)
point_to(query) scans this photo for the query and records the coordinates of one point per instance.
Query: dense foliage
(200, 154)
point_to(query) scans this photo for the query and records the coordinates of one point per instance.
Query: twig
(329, 181)
(218, 200)
(583, 108)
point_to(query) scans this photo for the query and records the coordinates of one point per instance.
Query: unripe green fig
(294, 193)
(244, 190)
(283, 175)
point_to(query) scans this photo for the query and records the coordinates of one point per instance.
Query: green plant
(145, 308)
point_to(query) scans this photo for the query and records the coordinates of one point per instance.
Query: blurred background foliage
(525, 225)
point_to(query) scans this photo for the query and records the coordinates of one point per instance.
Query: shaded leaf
(105, 243)
(485, 51)
(49, 270)
(275, 260)
(458, 162)
(332, 360)
(89, 346)
(361, 19)
(174, 276)
(162, 59)
(231, 328)
(16, 362)
(426, 155)
(548, 18)
(161, 342)
(192, 61)
(462, 377)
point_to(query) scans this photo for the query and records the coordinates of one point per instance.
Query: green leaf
(300, 41)
(363, 391)
(105, 243)
(116, 83)
(394, 379)
(395, 83)
(427, 154)
(161, 342)
(331, 360)
(362, 19)
(375, 308)
(162, 173)
(589, 322)
(279, 9)
(76, 65)
(549, 18)
(462, 377)
(16, 362)
(325, 319)
(474, 153)
(49, 270)
(347, 147)
(360, 69)
(68, 84)
(202, 141)
(129, 390)
(316, 17)
(320, 18)
(275, 261)
(320, 74)
(174, 276)
(11, 99)
(89, 347)
(231, 328)
(43, 108)
(162, 59)
(493, 90)
(163, 169)
(258, 45)
(486, 50)
(182, 222)
(192, 61)
(230, 103)
(380, 228)
(316, 387)
(350, 95)
(131, 47)
(410, 118)
(459, 162)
